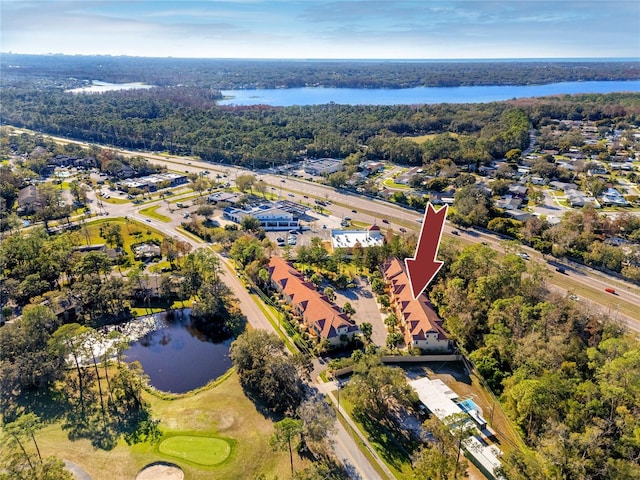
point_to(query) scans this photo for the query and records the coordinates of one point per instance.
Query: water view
(177, 356)
(286, 97)
(101, 87)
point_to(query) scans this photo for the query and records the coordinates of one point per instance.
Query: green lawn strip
(363, 448)
(114, 200)
(142, 311)
(186, 196)
(151, 212)
(196, 449)
(385, 446)
(186, 233)
(613, 303)
(271, 314)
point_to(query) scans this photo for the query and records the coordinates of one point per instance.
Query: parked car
(610, 290)
(455, 232)
(354, 211)
(403, 230)
(523, 255)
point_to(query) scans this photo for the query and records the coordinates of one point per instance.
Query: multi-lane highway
(624, 305)
(589, 285)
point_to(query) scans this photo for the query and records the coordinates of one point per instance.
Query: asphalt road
(367, 210)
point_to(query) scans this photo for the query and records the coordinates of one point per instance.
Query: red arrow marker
(423, 267)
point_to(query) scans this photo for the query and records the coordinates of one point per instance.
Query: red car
(610, 290)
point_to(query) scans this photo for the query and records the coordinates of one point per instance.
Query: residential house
(612, 197)
(518, 190)
(508, 202)
(28, 200)
(518, 214)
(125, 171)
(406, 177)
(420, 324)
(323, 318)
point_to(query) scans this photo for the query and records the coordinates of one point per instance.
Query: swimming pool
(469, 405)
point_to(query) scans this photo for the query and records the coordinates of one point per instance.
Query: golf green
(207, 451)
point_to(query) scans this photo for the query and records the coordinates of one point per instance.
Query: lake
(286, 97)
(101, 87)
(178, 357)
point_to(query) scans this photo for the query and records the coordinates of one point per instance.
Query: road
(625, 305)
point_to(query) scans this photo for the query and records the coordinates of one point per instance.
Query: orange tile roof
(325, 317)
(417, 315)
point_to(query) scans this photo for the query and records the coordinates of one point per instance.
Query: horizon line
(326, 59)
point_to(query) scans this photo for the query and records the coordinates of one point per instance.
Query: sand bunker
(161, 471)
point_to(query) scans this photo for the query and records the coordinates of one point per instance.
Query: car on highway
(291, 194)
(419, 220)
(610, 290)
(561, 270)
(523, 255)
(403, 230)
(384, 220)
(455, 232)
(354, 211)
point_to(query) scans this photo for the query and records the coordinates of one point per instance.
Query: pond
(177, 356)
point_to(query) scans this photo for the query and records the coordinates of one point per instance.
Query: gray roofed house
(28, 200)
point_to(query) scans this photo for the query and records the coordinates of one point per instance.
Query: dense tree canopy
(567, 375)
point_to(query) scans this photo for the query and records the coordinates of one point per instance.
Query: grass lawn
(114, 200)
(151, 212)
(207, 451)
(221, 412)
(388, 182)
(133, 232)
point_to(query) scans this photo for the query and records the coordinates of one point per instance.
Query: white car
(523, 255)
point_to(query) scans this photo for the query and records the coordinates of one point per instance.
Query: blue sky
(424, 29)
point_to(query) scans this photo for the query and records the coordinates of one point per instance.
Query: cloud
(323, 28)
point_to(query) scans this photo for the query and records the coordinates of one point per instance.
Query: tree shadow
(393, 451)
(48, 405)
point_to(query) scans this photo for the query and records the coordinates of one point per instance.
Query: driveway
(364, 302)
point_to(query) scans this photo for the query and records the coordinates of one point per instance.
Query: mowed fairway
(218, 413)
(207, 451)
